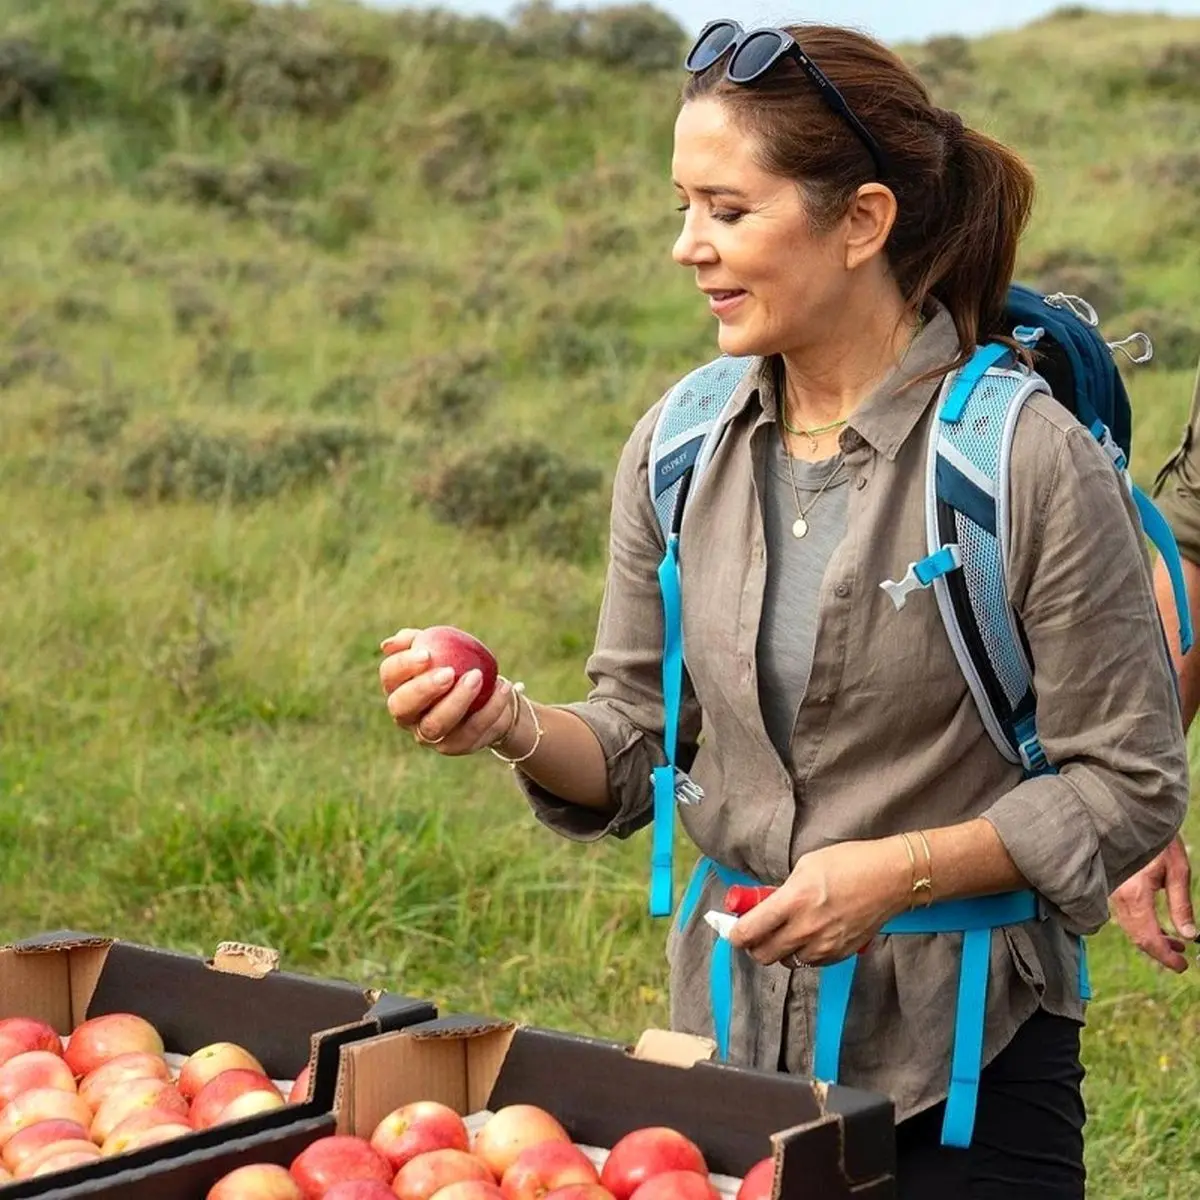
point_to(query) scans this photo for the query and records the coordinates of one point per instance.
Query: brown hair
(963, 199)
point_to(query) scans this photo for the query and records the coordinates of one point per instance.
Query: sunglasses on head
(756, 52)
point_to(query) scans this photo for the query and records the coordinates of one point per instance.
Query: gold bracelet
(921, 885)
(927, 882)
(517, 689)
(537, 738)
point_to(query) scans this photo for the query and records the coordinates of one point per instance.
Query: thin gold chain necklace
(800, 524)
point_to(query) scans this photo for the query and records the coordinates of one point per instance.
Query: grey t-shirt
(795, 567)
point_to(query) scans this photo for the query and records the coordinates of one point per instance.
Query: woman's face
(771, 282)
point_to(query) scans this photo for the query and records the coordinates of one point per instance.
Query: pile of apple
(110, 1088)
(425, 1151)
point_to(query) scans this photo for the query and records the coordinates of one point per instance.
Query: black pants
(1028, 1141)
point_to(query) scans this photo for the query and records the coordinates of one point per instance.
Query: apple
(360, 1189)
(434, 1170)
(29, 1034)
(677, 1185)
(338, 1158)
(469, 1189)
(5, 1176)
(34, 1137)
(580, 1191)
(249, 1104)
(417, 1128)
(153, 1136)
(137, 1064)
(210, 1061)
(99, 1039)
(41, 1104)
(646, 1152)
(53, 1153)
(542, 1168)
(34, 1069)
(451, 647)
(130, 1096)
(759, 1182)
(131, 1128)
(510, 1130)
(218, 1092)
(298, 1092)
(258, 1181)
(10, 1048)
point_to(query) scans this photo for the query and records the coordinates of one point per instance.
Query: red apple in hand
(101, 1038)
(417, 1128)
(258, 1181)
(542, 1168)
(510, 1130)
(451, 647)
(677, 1185)
(644, 1153)
(337, 1159)
(29, 1034)
(758, 1182)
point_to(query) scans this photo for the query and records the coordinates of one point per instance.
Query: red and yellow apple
(34, 1138)
(434, 1170)
(41, 1104)
(512, 1129)
(469, 1189)
(80, 1149)
(417, 1128)
(100, 1039)
(217, 1094)
(360, 1189)
(249, 1104)
(580, 1191)
(137, 1064)
(298, 1092)
(130, 1096)
(542, 1168)
(646, 1152)
(677, 1185)
(142, 1128)
(210, 1061)
(30, 1034)
(758, 1182)
(34, 1069)
(338, 1158)
(257, 1181)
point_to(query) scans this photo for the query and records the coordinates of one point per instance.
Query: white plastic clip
(921, 574)
(722, 922)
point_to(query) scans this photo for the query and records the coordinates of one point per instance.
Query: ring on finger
(428, 741)
(794, 963)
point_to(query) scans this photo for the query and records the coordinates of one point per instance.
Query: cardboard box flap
(601, 1092)
(53, 981)
(240, 958)
(673, 1049)
(870, 1153)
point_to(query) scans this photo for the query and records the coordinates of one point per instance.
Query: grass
(228, 422)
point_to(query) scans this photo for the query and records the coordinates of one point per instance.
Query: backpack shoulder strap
(689, 425)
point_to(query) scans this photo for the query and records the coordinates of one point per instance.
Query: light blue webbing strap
(663, 835)
(974, 919)
(1160, 534)
(984, 359)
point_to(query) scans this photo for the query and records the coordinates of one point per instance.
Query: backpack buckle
(1033, 757)
(1111, 447)
(687, 790)
(921, 574)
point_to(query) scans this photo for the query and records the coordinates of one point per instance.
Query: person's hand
(434, 707)
(831, 906)
(1133, 905)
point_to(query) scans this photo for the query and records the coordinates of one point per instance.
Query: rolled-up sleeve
(624, 707)
(1108, 713)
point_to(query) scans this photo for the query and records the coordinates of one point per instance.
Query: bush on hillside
(29, 80)
(207, 182)
(639, 36)
(1176, 70)
(1098, 279)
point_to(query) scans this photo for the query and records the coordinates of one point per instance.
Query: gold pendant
(799, 527)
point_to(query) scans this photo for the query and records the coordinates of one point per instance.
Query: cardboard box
(239, 995)
(834, 1143)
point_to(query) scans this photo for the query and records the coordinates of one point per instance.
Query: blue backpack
(967, 534)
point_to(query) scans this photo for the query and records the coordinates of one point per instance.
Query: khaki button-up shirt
(887, 737)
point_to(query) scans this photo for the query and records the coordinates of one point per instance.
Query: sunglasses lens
(712, 43)
(755, 55)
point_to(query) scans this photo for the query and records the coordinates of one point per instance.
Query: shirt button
(842, 591)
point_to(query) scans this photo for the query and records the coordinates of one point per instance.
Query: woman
(859, 243)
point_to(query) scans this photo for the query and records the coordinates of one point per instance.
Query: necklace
(800, 524)
(814, 433)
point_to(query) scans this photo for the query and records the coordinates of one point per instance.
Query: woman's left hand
(833, 903)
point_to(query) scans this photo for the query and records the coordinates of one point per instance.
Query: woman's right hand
(433, 706)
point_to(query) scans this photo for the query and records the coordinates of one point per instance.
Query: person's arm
(1134, 903)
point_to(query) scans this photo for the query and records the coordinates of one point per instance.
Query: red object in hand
(451, 647)
(739, 899)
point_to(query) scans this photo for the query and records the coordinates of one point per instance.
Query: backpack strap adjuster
(922, 573)
(1029, 747)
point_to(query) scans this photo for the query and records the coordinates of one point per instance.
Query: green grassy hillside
(317, 323)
